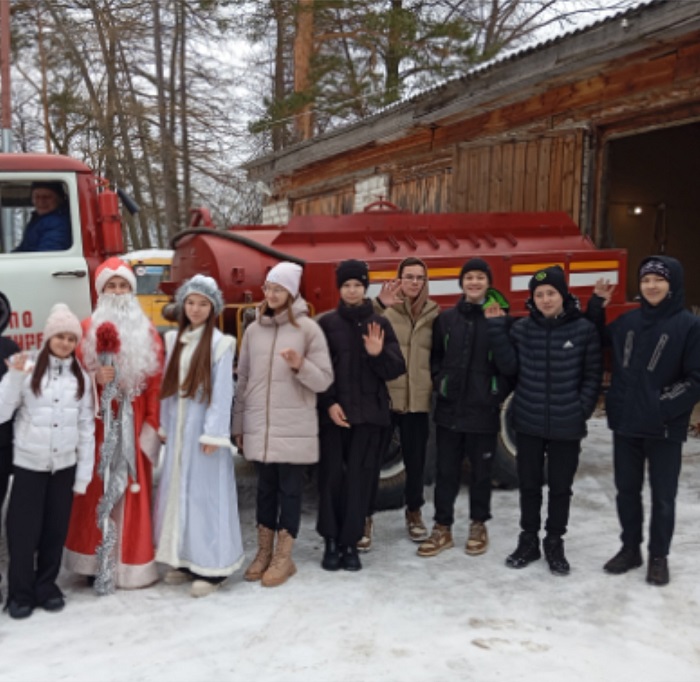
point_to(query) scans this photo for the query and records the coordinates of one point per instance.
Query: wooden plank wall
(338, 202)
(542, 174)
(422, 192)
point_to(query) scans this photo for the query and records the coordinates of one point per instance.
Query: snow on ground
(402, 617)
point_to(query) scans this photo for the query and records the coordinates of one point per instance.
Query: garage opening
(653, 200)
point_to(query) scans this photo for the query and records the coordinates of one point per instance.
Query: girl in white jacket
(53, 457)
(284, 362)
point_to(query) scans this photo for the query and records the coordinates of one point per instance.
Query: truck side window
(48, 225)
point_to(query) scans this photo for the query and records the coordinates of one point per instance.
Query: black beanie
(476, 264)
(654, 266)
(352, 269)
(554, 276)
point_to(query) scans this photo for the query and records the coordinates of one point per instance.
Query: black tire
(505, 467)
(392, 477)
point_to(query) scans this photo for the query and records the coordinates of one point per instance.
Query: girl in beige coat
(284, 362)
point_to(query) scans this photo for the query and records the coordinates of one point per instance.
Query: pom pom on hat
(352, 269)
(287, 275)
(554, 276)
(475, 264)
(204, 286)
(62, 320)
(114, 267)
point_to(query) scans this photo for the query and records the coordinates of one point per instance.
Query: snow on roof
(143, 254)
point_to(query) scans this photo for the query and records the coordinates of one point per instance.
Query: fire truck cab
(34, 281)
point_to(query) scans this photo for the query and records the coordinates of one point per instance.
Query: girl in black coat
(654, 386)
(354, 414)
(556, 355)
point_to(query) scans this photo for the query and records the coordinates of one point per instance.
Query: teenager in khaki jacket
(405, 303)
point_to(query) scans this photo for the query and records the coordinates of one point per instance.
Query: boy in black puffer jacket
(470, 390)
(655, 385)
(556, 355)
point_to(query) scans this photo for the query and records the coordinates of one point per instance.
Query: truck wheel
(392, 477)
(505, 468)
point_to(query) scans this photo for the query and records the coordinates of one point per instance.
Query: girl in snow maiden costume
(54, 449)
(197, 528)
(283, 364)
(654, 386)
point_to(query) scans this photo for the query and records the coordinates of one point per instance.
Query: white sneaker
(202, 588)
(177, 577)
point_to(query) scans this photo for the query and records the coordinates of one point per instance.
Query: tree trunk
(303, 51)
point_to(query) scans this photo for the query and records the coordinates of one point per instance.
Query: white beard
(137, 358)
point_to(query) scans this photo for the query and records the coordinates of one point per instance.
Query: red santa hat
(114, 267)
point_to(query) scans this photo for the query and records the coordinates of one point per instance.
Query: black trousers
(414, 428)
(347, 474)
(37, 525)
(280, 487)
(452, 448)
(630, 455)
(562, 463)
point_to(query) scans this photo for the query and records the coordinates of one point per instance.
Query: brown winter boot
(266, 537)
(415, 526)
(281, 567)
(440, 539)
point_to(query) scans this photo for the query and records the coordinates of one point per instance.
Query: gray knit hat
(204, 286)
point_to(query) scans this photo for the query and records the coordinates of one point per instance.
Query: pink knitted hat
(62, 320)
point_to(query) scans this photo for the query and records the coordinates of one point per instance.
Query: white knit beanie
(62, 320)
(287, 275)
(204, 286)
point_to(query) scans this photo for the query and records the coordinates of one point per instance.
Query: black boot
(331, 557)
(527, 551)
(657, 571)
(554, 553)
(351, 559)
(627, 558)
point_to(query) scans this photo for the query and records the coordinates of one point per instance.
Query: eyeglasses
(413, 278)
(275, 291)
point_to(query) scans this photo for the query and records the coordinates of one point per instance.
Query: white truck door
(34, 281)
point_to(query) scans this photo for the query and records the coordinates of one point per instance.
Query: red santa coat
(135, 553)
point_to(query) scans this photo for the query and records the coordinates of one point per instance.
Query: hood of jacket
(5, 312)
(675, 301)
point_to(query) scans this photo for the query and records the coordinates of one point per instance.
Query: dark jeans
(452, 447)
(279, 496)
(414, 428)
(347, 473)
(562, 463)
(664, 470)
(37, 525)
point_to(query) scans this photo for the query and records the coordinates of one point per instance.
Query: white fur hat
(114, 267)
(204, 286)
(62, 320)
(287, 275)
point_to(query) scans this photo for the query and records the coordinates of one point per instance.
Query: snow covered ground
(402, 617)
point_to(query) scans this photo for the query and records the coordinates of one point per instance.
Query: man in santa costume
(137, 367)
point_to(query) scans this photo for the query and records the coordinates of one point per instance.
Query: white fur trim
(149, 442)
(114, 268)
(218, 442)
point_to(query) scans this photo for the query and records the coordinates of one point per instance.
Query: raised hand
(604, 289)
(292, 358)
(104, 374)
(374, 339)
(20, 362)
(494, 310)
(390, 293)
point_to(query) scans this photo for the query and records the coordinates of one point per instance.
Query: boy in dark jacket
(7, 348)
(556, 355)
(354, 414)
(654, 386)
(470, 389)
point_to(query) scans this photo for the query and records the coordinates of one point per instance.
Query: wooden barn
(603, 123)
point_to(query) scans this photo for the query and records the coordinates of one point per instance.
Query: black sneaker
(331, 556)
(19, 611)
(527, 551)
(54, 604)
(351, 560)
(554, 553)
(657, 571)
(627, 558)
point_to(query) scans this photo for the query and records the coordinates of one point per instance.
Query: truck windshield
(149, 277)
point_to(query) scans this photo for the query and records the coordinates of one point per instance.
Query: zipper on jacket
(656, 356)
(548, 381)
(269, 390)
